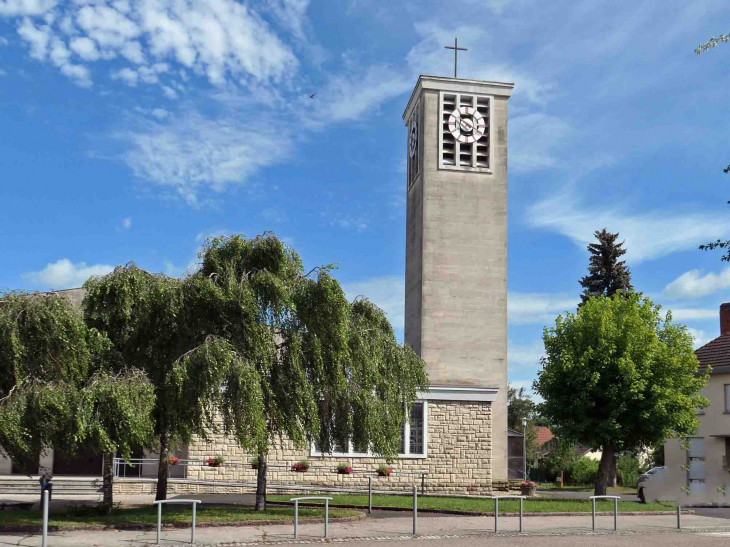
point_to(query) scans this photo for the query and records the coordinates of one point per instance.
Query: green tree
(251, 346)
(619, 377)
(520, 407)
(330, 370)
(606, 273)
(63, 385)
(561, 456)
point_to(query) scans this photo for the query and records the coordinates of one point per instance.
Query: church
(455, 317)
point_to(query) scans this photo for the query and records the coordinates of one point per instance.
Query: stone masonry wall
(459, 444)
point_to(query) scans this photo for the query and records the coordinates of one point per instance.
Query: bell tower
(456, 243)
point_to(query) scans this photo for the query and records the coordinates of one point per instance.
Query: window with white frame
(413, 439)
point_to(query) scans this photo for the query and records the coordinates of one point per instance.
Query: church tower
(456, 247)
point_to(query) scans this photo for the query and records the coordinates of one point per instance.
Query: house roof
(543, 435)
(716, 353)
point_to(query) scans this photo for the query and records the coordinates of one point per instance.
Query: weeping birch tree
(63, 385)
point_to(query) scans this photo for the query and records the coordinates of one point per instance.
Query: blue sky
(132, 130)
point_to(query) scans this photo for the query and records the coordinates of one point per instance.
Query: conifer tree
(606, 273)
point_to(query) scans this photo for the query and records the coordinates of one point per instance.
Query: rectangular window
(727, 397)
(413, 438)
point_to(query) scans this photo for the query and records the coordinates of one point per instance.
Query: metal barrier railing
(159, 504)
(496, 509)
(615, 510)
(326, 513)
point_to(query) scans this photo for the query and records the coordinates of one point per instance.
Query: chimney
(724, 318)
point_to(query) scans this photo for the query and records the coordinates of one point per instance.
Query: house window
(727, 397)
(413, 439)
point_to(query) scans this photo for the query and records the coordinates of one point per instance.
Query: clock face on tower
(413, 137)
(466, 124)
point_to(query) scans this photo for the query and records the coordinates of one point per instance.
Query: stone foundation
(458, 461)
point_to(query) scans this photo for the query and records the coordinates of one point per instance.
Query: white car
(649, 482)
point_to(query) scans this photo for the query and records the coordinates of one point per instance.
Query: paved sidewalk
(375, 530)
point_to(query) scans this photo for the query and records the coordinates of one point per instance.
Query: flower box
(300, 467)
(344, 469)
(384, 471)
(528, 488)
(174, 460)
(216, 461)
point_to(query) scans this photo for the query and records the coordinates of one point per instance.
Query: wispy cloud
(126, 223)
(648, 234)
(524, 357)
(693, 284)
(64, 274)
(542, 308)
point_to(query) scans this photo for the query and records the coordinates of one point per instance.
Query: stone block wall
(459, 460)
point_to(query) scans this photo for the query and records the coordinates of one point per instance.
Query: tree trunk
(604, 470)
(108, 474)
(261, 483)
(613, 476)
(163, 471)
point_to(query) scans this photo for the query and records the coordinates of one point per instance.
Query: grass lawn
(170, 514)
(486, 505)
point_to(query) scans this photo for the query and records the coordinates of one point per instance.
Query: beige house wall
(714, 420)
(458, 460)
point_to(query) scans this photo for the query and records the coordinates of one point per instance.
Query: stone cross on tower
(456, 49)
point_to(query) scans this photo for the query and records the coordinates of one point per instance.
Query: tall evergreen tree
(606, 273)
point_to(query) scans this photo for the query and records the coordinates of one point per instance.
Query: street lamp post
(524, 448)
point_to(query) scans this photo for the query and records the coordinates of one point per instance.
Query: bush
(584, 471)
(627, 470)
(100, 509)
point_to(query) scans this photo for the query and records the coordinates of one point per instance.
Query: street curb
(490, 513)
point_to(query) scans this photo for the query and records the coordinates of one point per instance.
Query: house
(703, 469)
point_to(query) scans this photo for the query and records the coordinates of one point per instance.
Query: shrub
(584, 471)
(100, 509)
(627, 470)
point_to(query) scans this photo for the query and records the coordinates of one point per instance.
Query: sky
(132, 130)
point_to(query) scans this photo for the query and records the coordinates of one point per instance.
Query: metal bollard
(593, 514)
(496, 514)
(45, 519)
(296, 519)
(423, 483)
(159, 522)
(615, 514)
(679, 517)
(326, 517)
(370, 494)
(521, 500)
(192, 533)
(415, 510)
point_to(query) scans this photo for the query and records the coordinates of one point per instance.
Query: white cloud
(291, 14)
(273, 214)
(542, 308)
(700, 337)
(36, 37)
(127, 223)
(387, 292)
(85, 48)
(15, 8)
(693, 284)
(648, 235)
(4, 41)
(192, 152)
(524, 357)
(689, 314)
(63, 274)
(169, 92)
(535, 140)
(127, 75)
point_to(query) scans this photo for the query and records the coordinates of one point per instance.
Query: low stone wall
(458, 461)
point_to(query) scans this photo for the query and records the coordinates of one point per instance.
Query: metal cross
(456, 49)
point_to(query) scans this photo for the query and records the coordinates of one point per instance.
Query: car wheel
(642, 497)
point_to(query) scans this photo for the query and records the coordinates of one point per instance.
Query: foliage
(100, 509)
(344, 469)
(606, 273)
(619, 377)
(519, 407)
(628, 470)
(63, 384)
(216, 460)
(584, 471)
(712, 43)
(255, 462)
(561, 457)
(384, 470)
